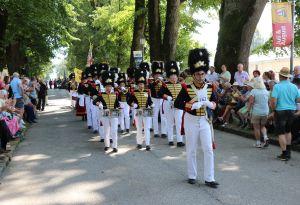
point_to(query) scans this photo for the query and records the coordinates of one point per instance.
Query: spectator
(17, 90)
(241, 76)
(285, 96)
(296, 123)
(212, 76)
(272, 75)
(42, 96)
(242, 107)
(225, 76)
(256, 73)
(296, 73)
(267, 78)
(232, 102)
(259, 108)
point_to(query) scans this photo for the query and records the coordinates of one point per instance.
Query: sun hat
(285, 72)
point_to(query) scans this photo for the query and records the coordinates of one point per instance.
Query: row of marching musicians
(187, 107)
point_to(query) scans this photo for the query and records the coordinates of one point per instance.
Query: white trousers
(174, 117)
(88, 111)
(110, 131)
(158, 109)
(100, 125)
(124, 118)
(142, 122)
(73, 94)
(95, 117)
(198, 128)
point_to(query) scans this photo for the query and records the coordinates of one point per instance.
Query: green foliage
(39, 26)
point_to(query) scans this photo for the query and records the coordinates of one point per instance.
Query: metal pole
(293, 34)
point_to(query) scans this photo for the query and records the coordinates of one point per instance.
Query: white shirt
(212, 77)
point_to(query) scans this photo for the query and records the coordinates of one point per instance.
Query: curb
(246, 134)
(6, 157)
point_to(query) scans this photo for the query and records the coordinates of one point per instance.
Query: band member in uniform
(109, 101)
(198, 101)
(72, 87)
(82, 91)
(88, 98)
(169, 92)
(94, 89)
(102, 67)
(157, 71)
(140, 100)
(123, 91)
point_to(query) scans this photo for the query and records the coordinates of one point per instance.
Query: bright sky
(208, 34)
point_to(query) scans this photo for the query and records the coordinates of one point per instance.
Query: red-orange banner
(282, 24)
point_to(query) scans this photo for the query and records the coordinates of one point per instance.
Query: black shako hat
(198, 60)
(157, 67)
(171, 68)
(108, 78)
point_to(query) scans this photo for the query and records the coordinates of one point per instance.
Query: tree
(238, 21)
(138, 28)
(32, 31)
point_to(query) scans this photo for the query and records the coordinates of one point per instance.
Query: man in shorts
(285, 96)
(17, 89)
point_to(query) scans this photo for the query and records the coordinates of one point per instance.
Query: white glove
(121, 105)
(135, 105)
(100, 106)
(169, 98)
(197, 105)
(153, 105)
(122, 88)
(209, 104)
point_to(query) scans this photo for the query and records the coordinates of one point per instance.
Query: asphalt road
(61, 162)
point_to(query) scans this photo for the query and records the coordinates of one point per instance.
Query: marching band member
(140, 100)
(108, 101)
(94, 89)
(72, 87)
(102, 67)
(123, 91)
(169, 92)
(82, 91)
(88, 98)
(131, 84)
(198, 99)
(157, 71)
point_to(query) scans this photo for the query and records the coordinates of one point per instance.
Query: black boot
(283, 156)
(171, 143)
(139, 146)
(163, 136)
(156, 135)
(180, 144)
(288, 151)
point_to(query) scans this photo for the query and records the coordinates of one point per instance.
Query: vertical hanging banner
(282, 24)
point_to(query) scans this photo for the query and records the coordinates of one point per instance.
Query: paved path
(61, 162)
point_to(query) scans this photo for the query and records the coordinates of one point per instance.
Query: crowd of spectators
(246, 102)
(20, 98)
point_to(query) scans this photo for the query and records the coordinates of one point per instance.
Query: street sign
(138, 57)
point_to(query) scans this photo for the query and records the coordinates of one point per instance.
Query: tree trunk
(3, 25)
(171, 29)
(238, 21)
(15, 57)
(154, 23)
(138, 29)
